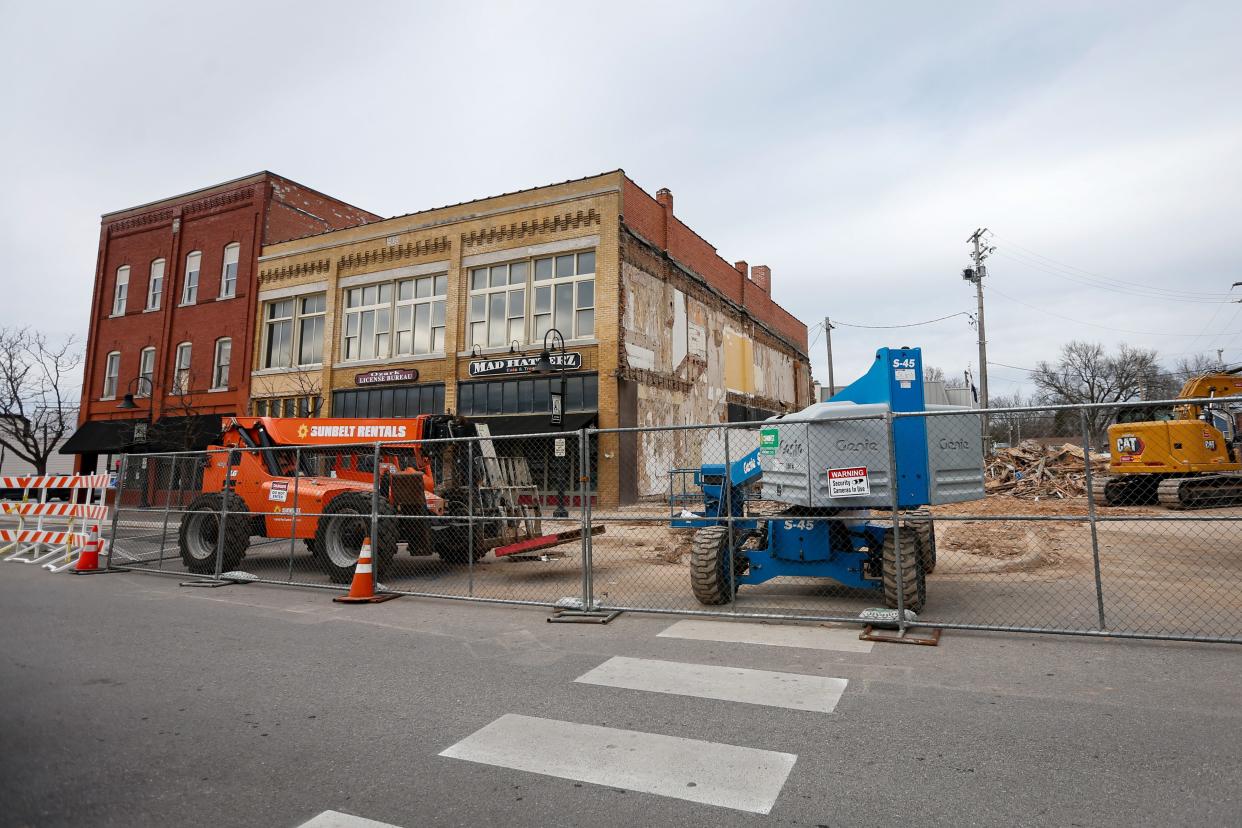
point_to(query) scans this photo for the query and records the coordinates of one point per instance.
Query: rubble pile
(1032, 470)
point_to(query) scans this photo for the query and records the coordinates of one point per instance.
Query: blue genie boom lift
(829, 465)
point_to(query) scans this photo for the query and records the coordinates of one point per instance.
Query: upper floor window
(112, 370)
(293, 331)
(121, 292)
(220, 364)
(395, 319)
(181, 370)
(146, 372)
(189, 288)
(522, 301)
(228, 275)
(155, 285)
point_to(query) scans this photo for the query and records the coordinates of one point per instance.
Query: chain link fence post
(588, 599)
(221, 539)
(889, 422)
(726, 498)
(176, 460)
(375, 493)
(1095, 540)
(116, 507)
(470, 444)
(293, 518)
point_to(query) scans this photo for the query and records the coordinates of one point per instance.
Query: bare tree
(38, 397)
(1187, 368)
(1085, 373)
(933, 374)
(305, 385)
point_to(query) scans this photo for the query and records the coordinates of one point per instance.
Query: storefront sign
(570, 361)
(391, 375)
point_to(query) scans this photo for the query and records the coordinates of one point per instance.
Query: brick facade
(250, 212)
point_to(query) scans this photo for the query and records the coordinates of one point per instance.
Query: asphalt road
(127, 700)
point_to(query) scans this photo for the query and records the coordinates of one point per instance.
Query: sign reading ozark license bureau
(848, 482)
(570, 361)
(390, 375)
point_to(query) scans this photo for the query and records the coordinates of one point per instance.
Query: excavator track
(1201, 491)
(1125, 490)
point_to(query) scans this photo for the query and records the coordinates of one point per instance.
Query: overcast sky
(852, 147)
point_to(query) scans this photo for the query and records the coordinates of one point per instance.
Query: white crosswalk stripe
(774, 689)
(336, 819)
(776, 635)
(728, 776)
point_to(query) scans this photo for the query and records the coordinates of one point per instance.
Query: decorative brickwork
(222, 200)
(137, 222)
(409, 250)
(517, 230)
(279, 274)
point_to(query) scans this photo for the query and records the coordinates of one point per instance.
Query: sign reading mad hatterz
(570, 361)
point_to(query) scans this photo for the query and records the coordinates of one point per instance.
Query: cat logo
(1129, 444)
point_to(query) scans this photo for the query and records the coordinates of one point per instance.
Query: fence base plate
(583, 616)
(208, 583)
(930, 638)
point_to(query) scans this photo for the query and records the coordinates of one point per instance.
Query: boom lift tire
(925, 531)
(453, 542)
(709, 566)
(345, 522)
(199, 535)
(913, 584)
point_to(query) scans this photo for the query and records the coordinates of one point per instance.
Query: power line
(1133, 290)
(1097, 325)
(907, 325)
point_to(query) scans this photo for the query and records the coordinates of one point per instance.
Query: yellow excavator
(1186, 457)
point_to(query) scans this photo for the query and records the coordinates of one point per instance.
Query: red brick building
(172, 317)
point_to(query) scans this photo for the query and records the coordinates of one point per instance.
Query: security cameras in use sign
(848, 482)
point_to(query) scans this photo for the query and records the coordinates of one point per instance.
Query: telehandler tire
(925, 530)
(709, 566)
(199, 536)
(913, 584)
(452, 541)
(345, 522)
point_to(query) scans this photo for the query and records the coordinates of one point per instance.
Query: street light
(545, 366)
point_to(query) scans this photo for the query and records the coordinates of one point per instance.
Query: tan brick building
(434, 312)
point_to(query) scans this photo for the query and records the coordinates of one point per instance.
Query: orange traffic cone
(362, 590)
(88, 561)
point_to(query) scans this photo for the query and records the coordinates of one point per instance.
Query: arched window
(155, 285)
(228, 275)
(220, 364)
(121, 291)
(189, 288)
(112, 370)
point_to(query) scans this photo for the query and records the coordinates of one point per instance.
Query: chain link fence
(1045, 531)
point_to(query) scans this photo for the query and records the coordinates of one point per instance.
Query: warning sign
(279, 492)
(769, 440)
(848, 482)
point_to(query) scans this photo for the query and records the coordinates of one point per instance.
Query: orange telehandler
(266, 468)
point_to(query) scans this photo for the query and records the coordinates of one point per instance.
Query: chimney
(761, 275)
(665, 196)
(743, 269)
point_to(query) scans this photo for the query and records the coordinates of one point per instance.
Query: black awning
(100, 437)
(510, 424)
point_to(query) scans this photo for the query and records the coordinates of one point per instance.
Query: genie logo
(861, 445)
(953, 445)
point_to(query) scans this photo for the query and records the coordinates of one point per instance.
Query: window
(564, 296)
(310, 329)
(181, 372)
(561, 292)
(296, 406)
(112, 370)
(228, 275)
(189, 288)
(420, 315)
(220, 364)
(155, 285)
(368, 312)
(293, 331)
(279, 332)
(121, 292)
(498, 304)
(146, 372)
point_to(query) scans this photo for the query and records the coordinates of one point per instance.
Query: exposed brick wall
(648, 218)
(296, 211)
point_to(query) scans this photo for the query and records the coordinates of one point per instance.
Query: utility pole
(832, 386)
(975, 274)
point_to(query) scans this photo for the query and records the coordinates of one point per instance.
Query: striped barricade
(59, 545)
